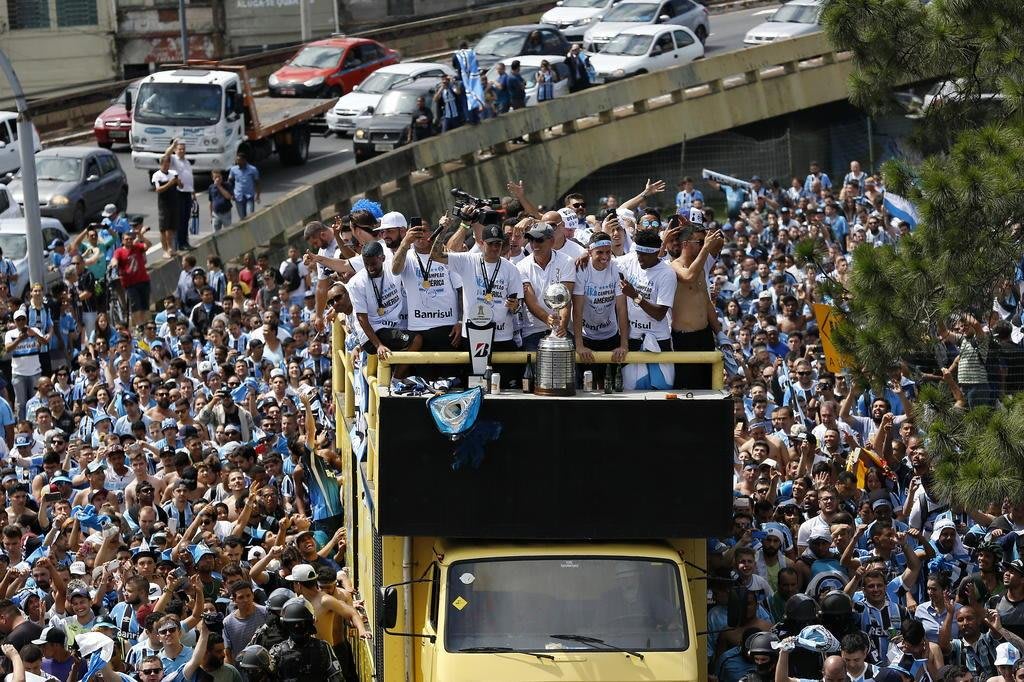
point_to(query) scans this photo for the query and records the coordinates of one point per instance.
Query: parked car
(15, 246)
(953, 90)
(644, 49)
(75, 183)
(10, 148)
(341, 120)
(387, 128)
(330, 67)
(114, 125)
(529, 65)
(574, 17)
(632, 13)
(795, 18)
(514, 41)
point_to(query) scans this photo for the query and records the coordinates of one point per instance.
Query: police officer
(302, 656)
(256, 665)
(758, 650)
(271, 633)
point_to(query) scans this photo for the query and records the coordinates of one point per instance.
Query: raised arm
(649, 189)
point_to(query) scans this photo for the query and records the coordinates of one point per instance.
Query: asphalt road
(328, 155)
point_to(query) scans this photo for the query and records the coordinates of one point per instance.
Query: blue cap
(22, 440)
(167, 557)
(199, 551)
(101, 416)
(168, 424)
(130, 397)
(60, 478)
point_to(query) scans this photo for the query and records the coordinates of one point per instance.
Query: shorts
(138, 296)
(221, 220)
(693, 376)
(438, 339)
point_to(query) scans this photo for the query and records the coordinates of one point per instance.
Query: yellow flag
(827, 318)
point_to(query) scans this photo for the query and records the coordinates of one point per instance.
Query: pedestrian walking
(245, 185)
(221, 197)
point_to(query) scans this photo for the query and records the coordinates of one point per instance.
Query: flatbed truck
(574, 549)
(211, 107)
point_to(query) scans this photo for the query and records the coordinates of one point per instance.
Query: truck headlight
(272, 80)
(59, 200)
(360, 134)
(313, 82)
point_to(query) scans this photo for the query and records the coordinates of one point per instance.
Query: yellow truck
(573, 549)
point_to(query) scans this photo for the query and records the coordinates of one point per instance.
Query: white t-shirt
(382, 299)
(601, 289)
(25, 357)
(433, 306)
(300, 293)
(160, 178)
(184, 170)
(503, 283)
(560, 269)
(330, 251)
(656, 284)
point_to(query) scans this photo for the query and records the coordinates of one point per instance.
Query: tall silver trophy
(556, 355)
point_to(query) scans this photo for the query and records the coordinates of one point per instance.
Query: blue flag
(470, 73)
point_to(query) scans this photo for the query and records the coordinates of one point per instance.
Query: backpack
(291, 275)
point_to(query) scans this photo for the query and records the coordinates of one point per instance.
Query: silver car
(795, 18)
(632, 13)
(75, 183)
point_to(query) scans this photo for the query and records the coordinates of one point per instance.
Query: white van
(10, 150)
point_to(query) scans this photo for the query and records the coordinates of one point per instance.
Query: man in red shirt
(130, 261)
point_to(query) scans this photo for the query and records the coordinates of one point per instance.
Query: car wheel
(702, 34)
(122, 200)
(78, 218)
(296, 151)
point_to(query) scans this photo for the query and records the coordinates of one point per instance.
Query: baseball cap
(392, 220)
(22, 440)
(168, 424)
(77, 568)
(1007, 654)
(881, 503)
(51, 635)
(820, 534)
(80, 592)
(765, 294)
(1017, 566)
(55, 243)
(539, 231)
(302, 573)
(95, 465)
(109, 210)
(493, 233)
(20, 313)
(798, 432)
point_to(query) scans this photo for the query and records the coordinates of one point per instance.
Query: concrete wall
(590, 131)
(58, 57)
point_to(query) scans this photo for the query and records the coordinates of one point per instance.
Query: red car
(330, 67)
(114, 125)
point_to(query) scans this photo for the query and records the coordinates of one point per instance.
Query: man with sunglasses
(542, 268)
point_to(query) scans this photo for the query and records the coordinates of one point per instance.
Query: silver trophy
(556, 355)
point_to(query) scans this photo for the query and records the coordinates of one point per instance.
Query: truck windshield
(179, 104)
(632, 603)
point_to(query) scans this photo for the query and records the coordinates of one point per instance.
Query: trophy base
(568, 391)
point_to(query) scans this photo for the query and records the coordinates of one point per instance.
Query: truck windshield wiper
(595, 643)
(502, 650)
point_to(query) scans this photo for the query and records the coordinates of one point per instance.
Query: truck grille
(391, 137)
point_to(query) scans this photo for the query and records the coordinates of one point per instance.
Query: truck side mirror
(128, 101)
(389, 606)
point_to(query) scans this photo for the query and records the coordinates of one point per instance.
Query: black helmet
(297, 610)
(801, 610)
(278, 598)
(254, 657)
(761, 643)
(835, 604)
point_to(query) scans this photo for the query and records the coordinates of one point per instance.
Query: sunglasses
(151, 671)
(166, 631)
(579, 205)
(651, 223)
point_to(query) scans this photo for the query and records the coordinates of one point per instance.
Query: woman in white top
(599, 306)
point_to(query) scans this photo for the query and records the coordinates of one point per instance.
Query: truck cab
(202, 107)
(556, 611)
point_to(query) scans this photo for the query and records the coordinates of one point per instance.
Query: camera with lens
(467, 206)
(214, 621)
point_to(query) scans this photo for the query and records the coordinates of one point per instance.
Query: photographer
(432, 291)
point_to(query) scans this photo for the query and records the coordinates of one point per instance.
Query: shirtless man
(304, 582)
(691, 328)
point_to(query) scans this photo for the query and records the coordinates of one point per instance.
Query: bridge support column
(404, 183)
(791, 67)
(753, 75)
(715, 85)
(678, 96)
(373, 194)
(535, 137)
(436, 171)
(342, 207)
(606, 116)
(569, 127)
(468, 159)
(640, 106)
(502, 148)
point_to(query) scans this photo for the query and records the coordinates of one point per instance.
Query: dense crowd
(172, 495)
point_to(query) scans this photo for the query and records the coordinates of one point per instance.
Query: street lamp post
(184, 31)
(29, 187)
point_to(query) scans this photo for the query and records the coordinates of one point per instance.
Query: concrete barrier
(567, 139)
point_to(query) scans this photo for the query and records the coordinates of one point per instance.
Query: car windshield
(317, 57)
(15, 246)
(626, 44)
(178, 104)
(584, 3)
(640, 11)
(60, 169)
(381, 81)
(500, 44)
(396, 102)
(797, 14)
(525, 71)
(520, 603)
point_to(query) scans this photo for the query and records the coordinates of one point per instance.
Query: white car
(529, 65)
(795, 18)
(10, 148)
(574, 17)
(341, 120)
(644, 49)
(15, 246)
(629, 14)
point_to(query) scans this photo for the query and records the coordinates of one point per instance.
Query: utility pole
(29, 186)
(184, 31)
(304, 27)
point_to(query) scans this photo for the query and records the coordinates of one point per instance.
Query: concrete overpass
(566, 140)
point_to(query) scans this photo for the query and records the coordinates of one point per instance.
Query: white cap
(1007, 654)
(109, 210)
(392, 220)
(77, 568)
(20, 313)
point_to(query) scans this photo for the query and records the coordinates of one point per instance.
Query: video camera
(487, 208)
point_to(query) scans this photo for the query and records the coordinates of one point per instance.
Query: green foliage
(969, 191)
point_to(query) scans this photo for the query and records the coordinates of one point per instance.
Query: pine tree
(969, 191)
